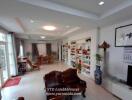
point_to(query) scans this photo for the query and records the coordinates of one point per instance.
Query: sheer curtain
(11, 55)
(42, 49)
(21, 50)
(35, 52)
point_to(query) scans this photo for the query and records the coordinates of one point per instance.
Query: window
(3, 57)
(7, 57)
(11, 56)
(21, 54)
(2, 37)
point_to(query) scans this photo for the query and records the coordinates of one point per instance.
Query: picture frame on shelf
(123, 36)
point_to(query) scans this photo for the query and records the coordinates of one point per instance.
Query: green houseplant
(78, 66)
(98, 59)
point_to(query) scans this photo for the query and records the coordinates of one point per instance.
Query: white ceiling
(69, 16)
(90, 5)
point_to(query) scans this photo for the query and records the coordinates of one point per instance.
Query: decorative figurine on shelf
(98, 72)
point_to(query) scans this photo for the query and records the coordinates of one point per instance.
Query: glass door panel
(3, 62)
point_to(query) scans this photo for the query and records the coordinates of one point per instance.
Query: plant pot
(98, 75)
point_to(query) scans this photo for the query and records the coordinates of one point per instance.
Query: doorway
(48, 48)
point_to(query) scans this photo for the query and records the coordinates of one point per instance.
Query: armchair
(65, 79)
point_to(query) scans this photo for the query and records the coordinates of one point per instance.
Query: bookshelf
(65, 52)
(81, 51)
(73, 53)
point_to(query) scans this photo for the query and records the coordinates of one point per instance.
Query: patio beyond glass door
(3, 63)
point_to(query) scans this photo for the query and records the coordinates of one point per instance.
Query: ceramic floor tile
(31, 86)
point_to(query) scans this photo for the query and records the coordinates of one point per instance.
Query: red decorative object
(85, 52)
(12, 82)
(104, 45)
(80, 62)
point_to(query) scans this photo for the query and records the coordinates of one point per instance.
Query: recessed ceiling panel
(90, 5)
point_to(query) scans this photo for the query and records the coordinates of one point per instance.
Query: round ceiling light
(31, 21)
(49, 28)
(101, 3)
(43, 37)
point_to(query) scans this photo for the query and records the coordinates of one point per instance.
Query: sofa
(64, 84)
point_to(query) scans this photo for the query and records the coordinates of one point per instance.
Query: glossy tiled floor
(32, 87)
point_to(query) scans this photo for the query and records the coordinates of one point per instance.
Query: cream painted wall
(42, 48)
(115, 67)
(94, 35)
(54, 47)
(28, 46)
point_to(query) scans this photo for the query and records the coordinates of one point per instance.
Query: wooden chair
(34, 66)
(50, 59)
(20, 98)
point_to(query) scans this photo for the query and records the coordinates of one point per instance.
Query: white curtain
(21, 51)
(42, 49)
(11, 55)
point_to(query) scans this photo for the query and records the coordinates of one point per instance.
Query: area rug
(12, 82)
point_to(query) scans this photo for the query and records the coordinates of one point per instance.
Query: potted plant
(98, 72)
(78, 66)
(98, 59)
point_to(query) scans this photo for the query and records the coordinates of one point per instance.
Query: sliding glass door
(3, 62)
(7, 57)
(11, 55)
(3, 59)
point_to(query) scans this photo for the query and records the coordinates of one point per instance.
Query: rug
(12, 82)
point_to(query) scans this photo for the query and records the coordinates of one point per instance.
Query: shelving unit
(82, 52)
(65, 52)
(86, 56)
(73, 53)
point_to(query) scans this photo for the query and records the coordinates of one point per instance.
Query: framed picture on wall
(123, 36)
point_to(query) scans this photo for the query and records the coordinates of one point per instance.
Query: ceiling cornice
(71, 31)
(122, 6)
(19, 22)
(61, 8)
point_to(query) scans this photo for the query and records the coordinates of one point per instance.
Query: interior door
(48, 48)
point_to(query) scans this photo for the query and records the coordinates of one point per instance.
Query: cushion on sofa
(53, 79)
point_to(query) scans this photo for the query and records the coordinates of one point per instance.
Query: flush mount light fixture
(49, 28)
(101, 3)
(67, 26)
(43, 37)
(31, 21)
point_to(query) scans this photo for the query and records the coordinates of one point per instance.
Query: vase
(98, 75)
